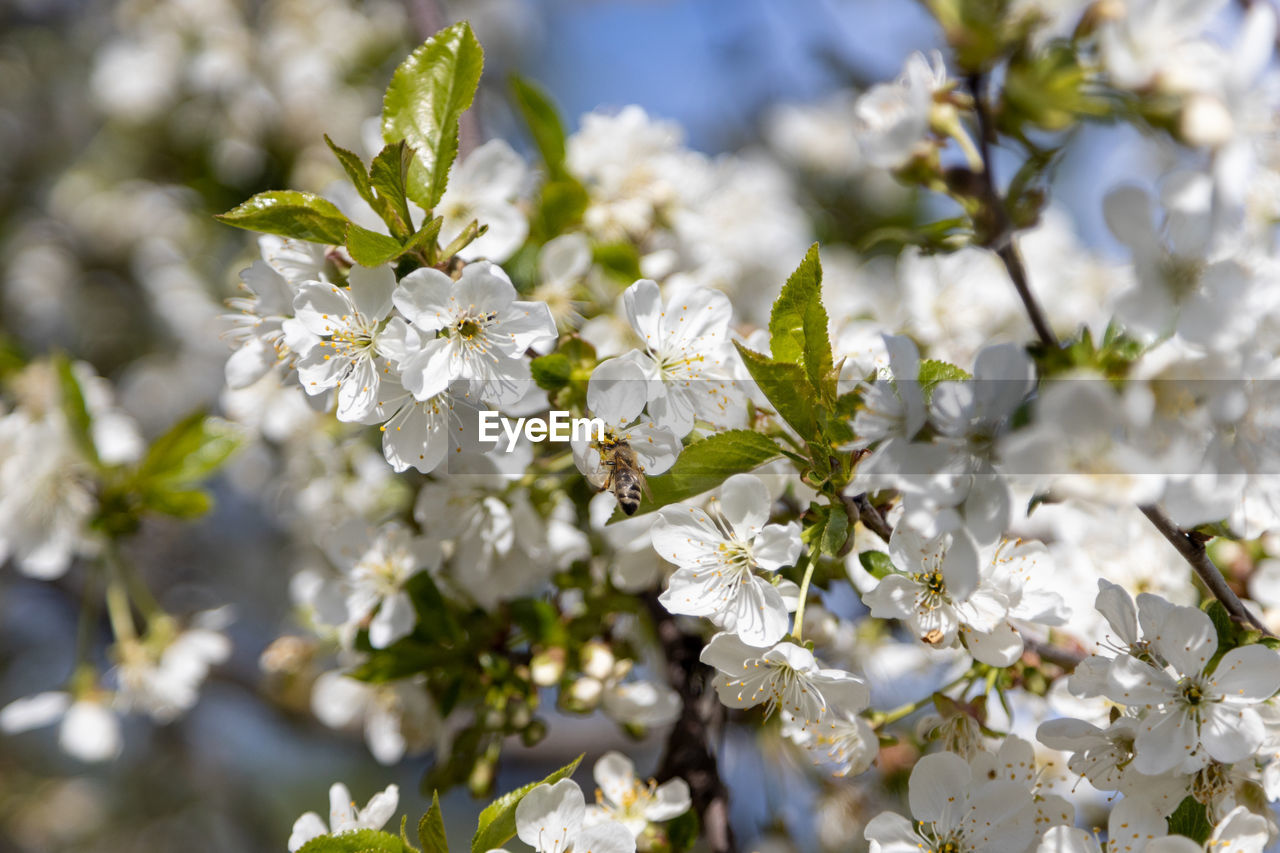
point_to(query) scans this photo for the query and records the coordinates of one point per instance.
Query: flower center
(1192, 694)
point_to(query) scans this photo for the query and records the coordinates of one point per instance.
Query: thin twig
(864, 511)
(1002, 241)
(1193, 551)
(688, 750)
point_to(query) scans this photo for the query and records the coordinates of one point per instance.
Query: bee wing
(644, 486)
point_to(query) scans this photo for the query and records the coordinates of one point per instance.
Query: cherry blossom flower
(786, 677)
(473, 329)
(616, 394)
(719, 552)
(348, 324)
(88, 730)
(552, 819)
(377, 565)
(1193, 712)
(687, 354)
(343, 815)
(621, 797)
(956, 812)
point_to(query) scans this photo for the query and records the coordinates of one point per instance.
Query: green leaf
(836, 531)
(428, 93)
(431, 829)
(932, 372)
(707, 463)
(498, 820)
(289, 213)
(1192, 820)
(75, 410)
(179, 503)
(798, 325)
(552, 372)
(371, 249)
(785, 386)
(424, 239)
(360, 841)
(389, 175)
(190, 451)
(877, 563)
(560, 207)
(543, 120)
(354, 167)
(621, 259)
(683, 831)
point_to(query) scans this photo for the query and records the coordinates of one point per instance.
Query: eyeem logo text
(558, 427)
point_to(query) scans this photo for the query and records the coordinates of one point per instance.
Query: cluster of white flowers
(891, 504)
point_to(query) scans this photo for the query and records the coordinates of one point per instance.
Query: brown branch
(1002, 239)
(1193, 551)
(688, 750)
(861, 508)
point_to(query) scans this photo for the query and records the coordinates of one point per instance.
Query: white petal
(745, 502)
(643, 304)
(1186, 639)
(90, 732)
(1248, 674)
(617, 391)
(939, 785)
(380, 808)
(305, 828)
(31, 712)
(671, 799)
(549, 817)
(424, 296)
(1230, 734)
(615, 775)
(395, 619)
(607, 837)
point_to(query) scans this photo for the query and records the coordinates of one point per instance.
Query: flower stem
(809, 563)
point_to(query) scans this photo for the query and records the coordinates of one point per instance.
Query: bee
(622, 474)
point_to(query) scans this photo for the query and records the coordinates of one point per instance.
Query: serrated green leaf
(836, 531)
(1191, 819)
(798, 325)
(289, 213)
(355, 169)
(74, 409)
(190, 451)
(785, 386)
(371, 249)
(707, 463)
(389, 175)
(431, 833)
(933, 371)
(498, 821)
(359, 841)
(424, 239)
(428, 93)
(543, 120)
(877, 563)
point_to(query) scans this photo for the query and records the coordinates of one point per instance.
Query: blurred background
(124, 125)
